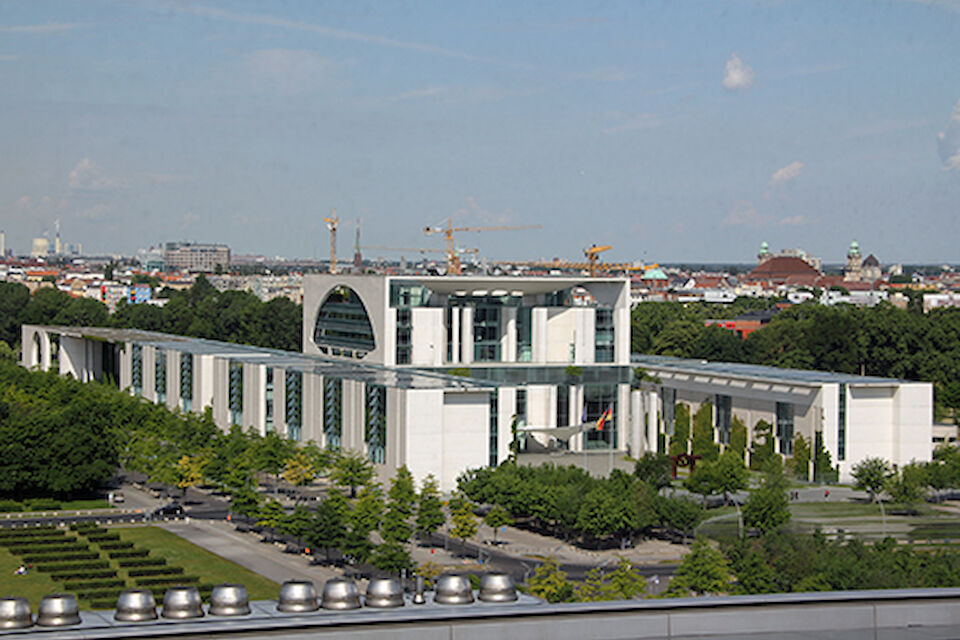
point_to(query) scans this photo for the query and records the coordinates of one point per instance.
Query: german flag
(606, 415)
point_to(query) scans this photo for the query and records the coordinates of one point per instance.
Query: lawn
(32, 586)
(209, 567)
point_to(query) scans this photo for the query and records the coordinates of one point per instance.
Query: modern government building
(430, 372)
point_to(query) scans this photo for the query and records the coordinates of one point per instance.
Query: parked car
(118, 497)
(171, 510)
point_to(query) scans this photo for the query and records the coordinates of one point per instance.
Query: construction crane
(591, 254)
(453, 260)
(332, 222)
(459, 250)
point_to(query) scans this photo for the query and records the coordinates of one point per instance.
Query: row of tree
(200, 311)
(569, 503)
(882, 340)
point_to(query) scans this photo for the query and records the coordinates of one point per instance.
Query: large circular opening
(343, 326)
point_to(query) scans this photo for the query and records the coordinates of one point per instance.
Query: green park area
(96, 564)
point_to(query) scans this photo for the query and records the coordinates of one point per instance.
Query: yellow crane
(591, 254)
(332, 222)
(453, 260)
(417, 250)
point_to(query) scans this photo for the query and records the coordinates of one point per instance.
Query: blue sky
(675, 131)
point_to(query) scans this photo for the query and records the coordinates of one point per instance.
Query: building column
(637, 416)
(466, 322)
(653, 420)
(508, 335)
(454, 336)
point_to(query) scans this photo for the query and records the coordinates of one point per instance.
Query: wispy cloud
(290, 70)
(330, 32)
(48, 27)
(737, 74)
(456, 94)
(88, 176)
(745, 214)
(473, 211)
(948, 141)
(787, 173)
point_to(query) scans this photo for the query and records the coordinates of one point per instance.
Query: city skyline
(673, 133)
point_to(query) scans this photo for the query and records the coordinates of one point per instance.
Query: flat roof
(758, 372)
(404, 378)
(503, 285)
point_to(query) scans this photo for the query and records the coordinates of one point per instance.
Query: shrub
(101, 594)
(93, 584)
(132, 553)
(76, 566)
(31, 533)
(24, 550)
(10, 506)
(103, 537)
(42, 504)
(32, 541)
(80, 575)
(117, 545)
(172, 582)
(145, 562)
(80, 555)
(161, 571)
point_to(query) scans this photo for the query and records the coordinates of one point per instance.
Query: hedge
(35, 541)
(162, 571)
(100, 594)
(75, 575)
(156, 582)
(86, 526)
(8, 506)
(63, 557)
(31, 532)
(144, 562)
(73, 566)
(46, 550)
(109, 603)
(134, 553)
(117, 545)
(103, 537)
(94, 584)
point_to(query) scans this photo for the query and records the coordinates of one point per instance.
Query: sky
(673, 131)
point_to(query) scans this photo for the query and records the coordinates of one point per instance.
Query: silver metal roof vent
(453, 588)
(229, 600)
(136, 605)
(15, 613)
(182, 603)
(340, 594)
(384, 593)
(297, 596)
(497, 587)
(418, 597)
(58, 610)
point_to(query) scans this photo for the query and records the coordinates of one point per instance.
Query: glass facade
(842, 423)
(524, 334)
(494, 413)
(563, 405)
(724, 417)
(785, 427)
(603, 335)
(332, 412)
(186, 381)
(136, 368)
(521, 407)
(160, 375)
(375, 431)
(235, 382)
(268, 401)
(486, 333)
(293, 395)
(343, 326)
(669, 409)
(597, 398)
(404, 331)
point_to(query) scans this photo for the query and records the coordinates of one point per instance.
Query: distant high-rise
(40, 248)
(189, 256)
(3, 244)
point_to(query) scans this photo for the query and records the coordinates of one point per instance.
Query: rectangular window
(842, 423)
(404, 330)
(332, 412)
(521, 407)
(724, 416)
(493, 443)
(524, 334)
(785, 427)
(160, 375)
(136, 368)
(236, 392)
(486, 333)
(448, 319)
(375, 433)
(669, 409)
(268, 401)
(563, 405)
(597, 398)
(603, 335)
(186, 381)
(293, 394)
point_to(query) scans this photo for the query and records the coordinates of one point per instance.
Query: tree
(702, 443)
(464, 522)
(871, 475)
(680, 514)
(189, 471)
(655, 469)
(738, 436)
(351, 469)
(13, 298)
(681, 429)
(730, 474)
(909, 487)
(762, 449)
(497, 517)
(298, 469)
(328, 528)
(550, 583)
(271, 454)
(271, 514)
(392, 557)
(430, 515)
(800, 462)
(396, 526)
(823, 469)
(298, 523)
(702, 571)
(604, 512)
(767, 508)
